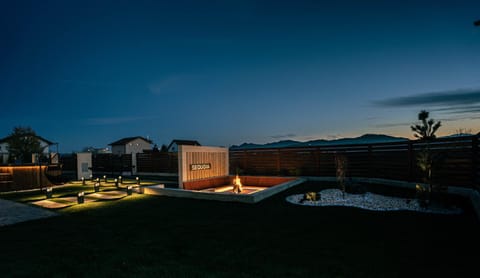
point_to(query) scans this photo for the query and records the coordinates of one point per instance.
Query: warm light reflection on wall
(26, 176)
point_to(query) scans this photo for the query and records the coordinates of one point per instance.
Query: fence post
(410, 161)
(245, 161)
(475, 170)
(369, 169)
(278, 162)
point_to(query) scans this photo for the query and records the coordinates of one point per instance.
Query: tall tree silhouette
(426, 130)
(22, 143)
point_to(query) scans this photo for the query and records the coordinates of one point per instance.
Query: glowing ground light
(49, 192)
(81, 197)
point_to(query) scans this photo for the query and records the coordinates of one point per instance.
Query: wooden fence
(107, 163)
(110, 164)
(457, 161)
(157, 162)
(21, 177)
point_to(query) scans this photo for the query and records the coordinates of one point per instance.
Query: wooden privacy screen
(23, 177)
(199, 162)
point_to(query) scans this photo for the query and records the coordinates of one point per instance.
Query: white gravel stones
(369, 201)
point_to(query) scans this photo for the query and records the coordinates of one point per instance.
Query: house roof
(184, 142)
(127, 140)
(5, 139)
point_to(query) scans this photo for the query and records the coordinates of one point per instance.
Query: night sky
(87, 73)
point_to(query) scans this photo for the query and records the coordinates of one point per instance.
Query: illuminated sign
(200, 166)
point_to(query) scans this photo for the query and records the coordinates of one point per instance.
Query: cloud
(172, 83)
(114, 120)
(283, 136)
(459, 110)
(459, 98)
(392, 124)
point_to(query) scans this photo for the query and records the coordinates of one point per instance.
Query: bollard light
(129, 190)
(91, 177)
(116, 183)
(96, 187)
(105, 178)
(138, 180)
(120, 179)
(49, 192)
(83, 180)
(81, 197)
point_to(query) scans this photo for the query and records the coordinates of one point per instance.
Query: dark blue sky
(87, 73)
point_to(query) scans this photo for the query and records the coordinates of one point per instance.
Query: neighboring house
(4, 153)
(173, 147)
(131, 145)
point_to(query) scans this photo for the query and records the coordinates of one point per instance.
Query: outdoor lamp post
(96, 187)
(80, 197)
(116, 183)
(83, 180)
(138, 180)
(49, 192)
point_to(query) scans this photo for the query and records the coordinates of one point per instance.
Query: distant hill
(364, 139)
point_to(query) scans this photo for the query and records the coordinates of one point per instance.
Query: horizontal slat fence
(457, 161)
(21, 177)
(157, 162)
(111, 163)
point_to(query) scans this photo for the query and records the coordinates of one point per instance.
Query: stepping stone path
(57, 203)
(12, 212)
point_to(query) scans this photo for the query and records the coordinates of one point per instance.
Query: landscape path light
(49, 192)
(96, 187)
(129, 190)
(83, 180)
(81, 197)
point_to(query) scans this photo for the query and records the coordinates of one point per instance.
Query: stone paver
(12, 212)
(63, 202)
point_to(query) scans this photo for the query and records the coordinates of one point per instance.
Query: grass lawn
(151, 236)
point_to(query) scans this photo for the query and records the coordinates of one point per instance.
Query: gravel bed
(369, 201)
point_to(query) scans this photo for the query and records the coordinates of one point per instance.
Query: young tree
(425, 131)
(426, 159)
(22, 143)
(341, 167)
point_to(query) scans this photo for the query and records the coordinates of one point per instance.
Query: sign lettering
(200, 166)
